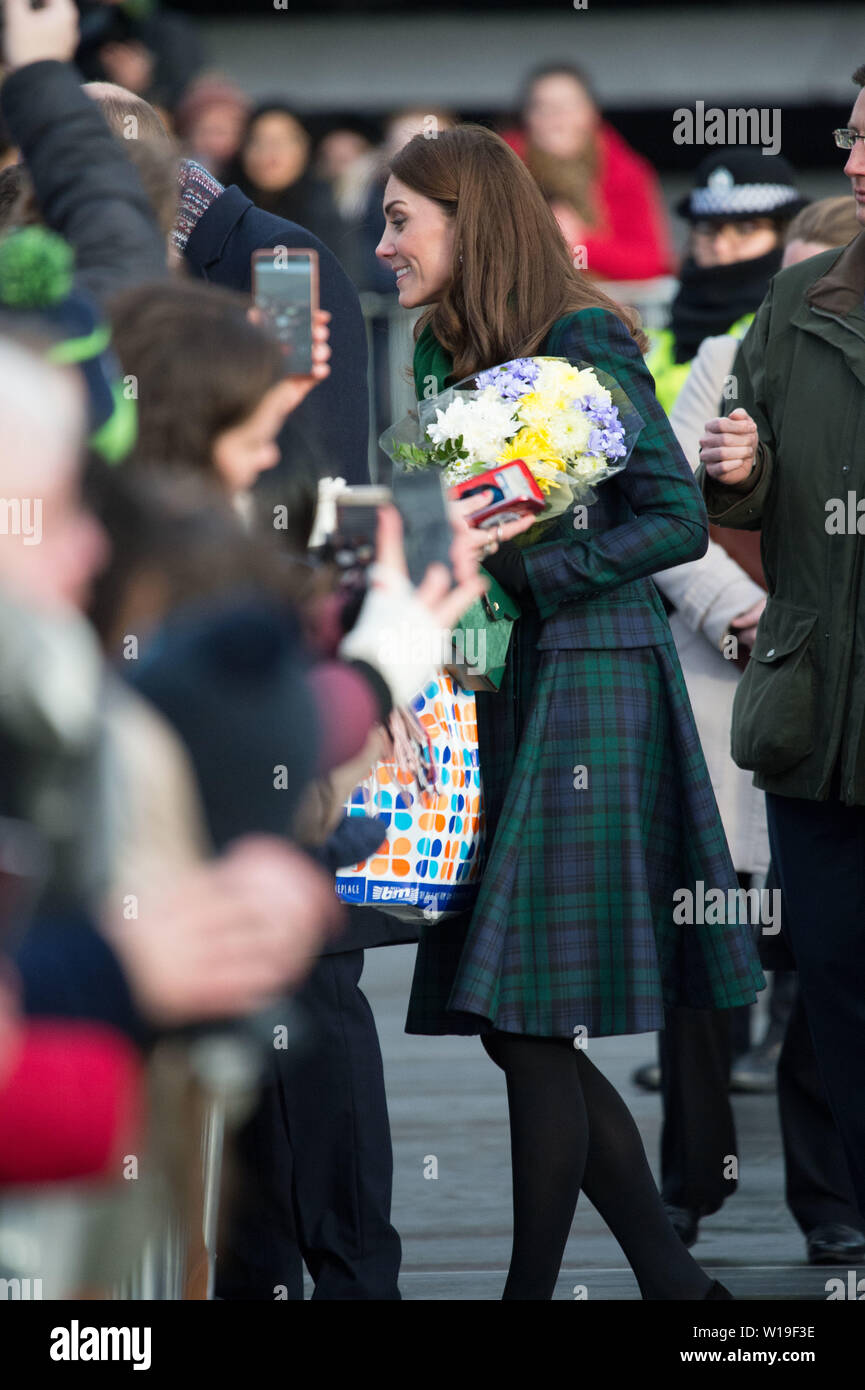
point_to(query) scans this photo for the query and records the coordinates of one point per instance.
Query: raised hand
(729, 447)
(31, 36)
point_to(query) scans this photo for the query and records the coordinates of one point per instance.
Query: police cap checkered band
(756, 199)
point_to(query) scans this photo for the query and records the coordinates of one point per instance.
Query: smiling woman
(572, 933)
(441, 200)
(417, 244)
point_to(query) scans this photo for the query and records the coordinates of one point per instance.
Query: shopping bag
(429, 865)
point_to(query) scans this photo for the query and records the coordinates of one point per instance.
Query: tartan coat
(599, 806)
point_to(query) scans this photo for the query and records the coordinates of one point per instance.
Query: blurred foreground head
(50, 546)
(212, 395)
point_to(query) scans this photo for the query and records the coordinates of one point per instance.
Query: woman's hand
(445, 604)
(294, 389)
(227, 936)
(471, 543)
(406, 632)
(729, 447)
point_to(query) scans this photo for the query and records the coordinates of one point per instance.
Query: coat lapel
(833, 307)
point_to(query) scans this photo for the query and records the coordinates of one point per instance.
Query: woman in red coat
(605, 196)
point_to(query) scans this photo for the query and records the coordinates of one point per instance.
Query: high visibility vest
(670, 375)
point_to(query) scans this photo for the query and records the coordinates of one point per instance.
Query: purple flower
(610, 443)
(511, 380)
(607, 416)
(608, 438)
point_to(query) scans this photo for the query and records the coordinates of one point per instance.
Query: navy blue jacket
(330, 429)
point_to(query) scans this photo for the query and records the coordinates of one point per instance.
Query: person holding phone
(598, 802)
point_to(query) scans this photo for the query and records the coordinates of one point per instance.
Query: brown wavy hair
(200, 366)
(512, 276)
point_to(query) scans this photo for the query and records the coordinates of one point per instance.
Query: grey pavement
(449, 1115)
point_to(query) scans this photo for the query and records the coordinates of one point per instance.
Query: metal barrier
(154, 1237)
(390, 343)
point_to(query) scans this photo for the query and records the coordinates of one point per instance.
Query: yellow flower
(534, 447)
(534, 410)
(531, 444)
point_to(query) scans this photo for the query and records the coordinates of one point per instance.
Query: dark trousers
(818, 1186)
(314, 1164)
(818, 848)
(699, 1129)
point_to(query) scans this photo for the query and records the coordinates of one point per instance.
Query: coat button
(771, 651)
(845, 469)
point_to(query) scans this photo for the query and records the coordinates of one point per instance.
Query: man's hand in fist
(729, 447)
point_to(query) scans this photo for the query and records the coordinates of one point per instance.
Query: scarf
(711, 298)
(198, 189)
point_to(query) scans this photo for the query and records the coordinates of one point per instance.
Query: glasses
(846, 139)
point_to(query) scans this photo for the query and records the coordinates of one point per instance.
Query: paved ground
(447, 1102)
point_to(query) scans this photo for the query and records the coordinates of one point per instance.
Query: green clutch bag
(482, 638)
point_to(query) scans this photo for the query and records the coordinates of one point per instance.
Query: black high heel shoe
(716, 1292)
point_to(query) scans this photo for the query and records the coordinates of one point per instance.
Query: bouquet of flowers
(572, 425)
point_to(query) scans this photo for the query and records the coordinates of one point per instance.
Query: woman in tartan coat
(599, 807)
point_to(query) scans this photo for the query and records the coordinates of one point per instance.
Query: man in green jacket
(790, 459)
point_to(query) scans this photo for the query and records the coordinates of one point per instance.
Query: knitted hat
(738, 185)
(37, 289)
(229, 676)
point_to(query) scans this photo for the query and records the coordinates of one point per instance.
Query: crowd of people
(329, 175)
(188, 692)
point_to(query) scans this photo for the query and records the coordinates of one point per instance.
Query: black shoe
(755, 1073)
(648, 1076)
(716, 1293)
(835, 1244)
(684, 1222)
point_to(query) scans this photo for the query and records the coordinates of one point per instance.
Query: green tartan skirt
(599, 807)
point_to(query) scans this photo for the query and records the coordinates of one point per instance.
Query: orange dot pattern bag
(430, 863)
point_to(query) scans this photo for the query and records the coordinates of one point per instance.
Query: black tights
(571, 1130)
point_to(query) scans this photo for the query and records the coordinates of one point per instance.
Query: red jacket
(632, 238)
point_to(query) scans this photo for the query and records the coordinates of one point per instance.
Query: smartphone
(422, 501)
(352, 545)
(285, 287)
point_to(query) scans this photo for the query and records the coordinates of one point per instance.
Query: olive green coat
(800, 373)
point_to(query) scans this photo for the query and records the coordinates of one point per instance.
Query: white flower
(485, 423)
(569, 432)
